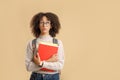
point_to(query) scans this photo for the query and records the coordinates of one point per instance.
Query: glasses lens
(45, 23)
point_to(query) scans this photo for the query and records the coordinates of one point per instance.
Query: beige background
(90, 34)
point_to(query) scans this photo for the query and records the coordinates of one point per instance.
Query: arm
(60, 62)
(30, 65)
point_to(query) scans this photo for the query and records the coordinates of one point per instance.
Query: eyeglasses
(45, 23)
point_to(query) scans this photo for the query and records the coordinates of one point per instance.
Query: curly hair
(53, 18)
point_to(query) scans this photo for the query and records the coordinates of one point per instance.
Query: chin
(44, 32)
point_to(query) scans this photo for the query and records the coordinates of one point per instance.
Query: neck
(44, 34)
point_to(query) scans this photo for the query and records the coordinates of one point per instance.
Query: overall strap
(55, 41)
(34, 46)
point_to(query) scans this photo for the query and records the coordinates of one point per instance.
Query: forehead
(44, 18)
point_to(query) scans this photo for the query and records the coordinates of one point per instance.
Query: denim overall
(39, 76)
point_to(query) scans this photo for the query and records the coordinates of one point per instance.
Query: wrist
(40, 64)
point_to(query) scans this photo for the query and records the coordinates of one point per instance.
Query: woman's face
(44, 25)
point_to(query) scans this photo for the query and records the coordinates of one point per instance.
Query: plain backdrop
(90, 34)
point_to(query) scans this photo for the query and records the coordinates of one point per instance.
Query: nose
(44, 24)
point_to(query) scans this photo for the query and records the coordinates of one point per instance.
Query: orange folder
(46, 50)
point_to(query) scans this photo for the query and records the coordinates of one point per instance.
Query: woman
(44, 27)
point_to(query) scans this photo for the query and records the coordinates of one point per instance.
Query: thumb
(34, 56)
(38, 56)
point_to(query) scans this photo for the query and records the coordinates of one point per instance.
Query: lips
(44, 29)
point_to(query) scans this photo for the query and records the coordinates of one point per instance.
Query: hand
(54, 58)
(36, 59)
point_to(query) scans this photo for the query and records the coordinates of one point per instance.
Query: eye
(47, 22)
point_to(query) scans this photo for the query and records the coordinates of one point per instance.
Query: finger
(56, 58)
(54, 55)
(38, 56)
(34, 56)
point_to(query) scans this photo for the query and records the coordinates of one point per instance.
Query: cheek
(48, 28)
(40, 28)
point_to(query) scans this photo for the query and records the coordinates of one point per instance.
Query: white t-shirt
(31, 66)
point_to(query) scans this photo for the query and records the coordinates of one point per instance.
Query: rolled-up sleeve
(30, 65)
(60, 63)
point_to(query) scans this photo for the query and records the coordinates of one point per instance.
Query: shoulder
(29, 43)
(60, 42)
(60, 45)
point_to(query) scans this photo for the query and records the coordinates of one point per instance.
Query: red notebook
(46, 50)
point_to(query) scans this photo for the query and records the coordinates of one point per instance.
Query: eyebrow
(43, 21)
